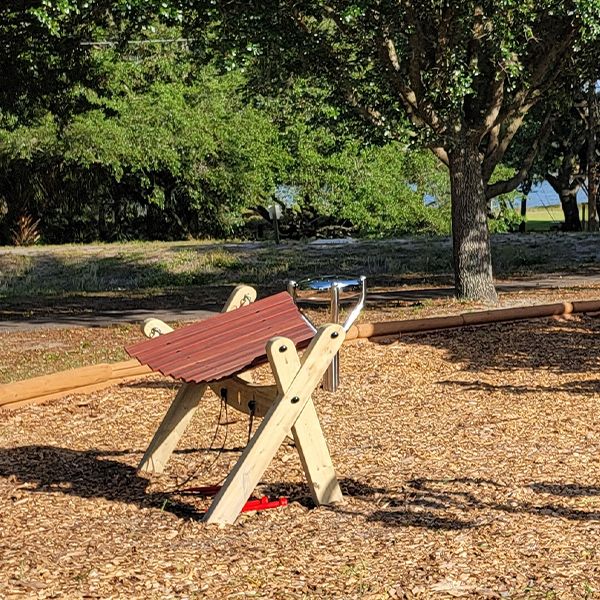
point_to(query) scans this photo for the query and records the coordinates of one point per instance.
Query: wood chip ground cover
(468, 459)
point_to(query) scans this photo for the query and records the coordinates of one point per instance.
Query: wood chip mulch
(469, 460)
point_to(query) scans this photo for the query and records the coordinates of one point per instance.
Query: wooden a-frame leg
(171, 429)
(310, 441)
(281, 417)
(315, 457)
(186, 402)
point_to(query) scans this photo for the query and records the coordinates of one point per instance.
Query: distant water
(543, 195)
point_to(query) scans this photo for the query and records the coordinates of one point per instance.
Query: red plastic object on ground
(263, 504)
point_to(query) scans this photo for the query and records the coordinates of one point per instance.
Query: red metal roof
(225, 344)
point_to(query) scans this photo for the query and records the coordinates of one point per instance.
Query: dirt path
(178, 307)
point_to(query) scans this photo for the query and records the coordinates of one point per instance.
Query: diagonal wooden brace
(296, 380)
(308, 435)
(186, 401)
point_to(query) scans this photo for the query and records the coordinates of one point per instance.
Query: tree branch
(368, 113)
(508, 119)
(503, 187)
(493, 110)
(544, 70)
(441, 154)
(503, 138)
(554, 182)
(444, 32)
(419, 112)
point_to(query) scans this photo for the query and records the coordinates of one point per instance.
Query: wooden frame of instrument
(286, 407)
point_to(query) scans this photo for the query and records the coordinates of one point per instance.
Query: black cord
(252, 408)
(209, 468)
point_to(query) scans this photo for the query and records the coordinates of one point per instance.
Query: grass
(53, 350)
(116, 267)
(126, 267)
(204, 270)
(540, 218)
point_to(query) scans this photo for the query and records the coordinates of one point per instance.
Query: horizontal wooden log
(54, 383)
(84, 389)
(96, 377)
(127, 365)
(586, 306)
(394, 328)
(74, 381)
(130, 368)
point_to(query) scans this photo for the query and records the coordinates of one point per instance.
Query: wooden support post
(186, 402)
(241, 295)
(171, 429)
(282, 416)
(308, 437)
(152, 328)
(315, 457)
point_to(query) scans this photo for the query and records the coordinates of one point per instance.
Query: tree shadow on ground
(568, 490)
(95, 282)
(461, 503)
(87, 474)
(419, 511)
(439, 504)
(580, 388)
(93, 289)
(555, 346)
(100, 282)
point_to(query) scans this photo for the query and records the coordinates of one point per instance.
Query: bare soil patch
(468, 459)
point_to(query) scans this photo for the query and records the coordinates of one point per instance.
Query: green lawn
(144, 269)
(540, 218)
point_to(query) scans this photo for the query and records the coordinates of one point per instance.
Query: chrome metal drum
(338, 288)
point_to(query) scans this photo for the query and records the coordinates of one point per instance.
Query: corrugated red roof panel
(225, 344)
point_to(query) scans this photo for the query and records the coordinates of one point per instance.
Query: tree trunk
(470, 234)
(525, 189)
(102, 226)
(591, 159)
(566, 186)
(523, 223)
(568, 201)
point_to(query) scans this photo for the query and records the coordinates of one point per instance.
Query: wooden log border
(74, 381)
(90, 379)
(484, 317)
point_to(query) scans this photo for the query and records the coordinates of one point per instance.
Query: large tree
(569, 155)
(465, 74)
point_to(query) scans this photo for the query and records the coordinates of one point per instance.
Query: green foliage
(395, 192)
(503, 216)
(346, 179)
(159, 151)
(195, 144)
(160, 148)
(128, 141)
(441, 61)
(45, 50)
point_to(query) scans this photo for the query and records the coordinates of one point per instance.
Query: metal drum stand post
(335, 286)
